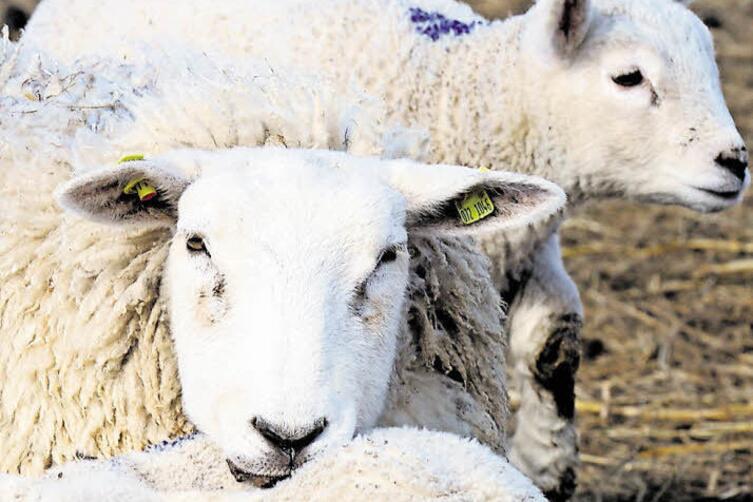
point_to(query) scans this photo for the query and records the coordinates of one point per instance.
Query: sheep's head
(631, 93)
(286, 275)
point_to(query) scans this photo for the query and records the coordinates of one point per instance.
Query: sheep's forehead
(671, 30)
(295, 209)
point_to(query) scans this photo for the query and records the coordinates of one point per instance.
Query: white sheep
(86, 343)
(385, 464)
(289, 283)
(608, 98)
(113, 384)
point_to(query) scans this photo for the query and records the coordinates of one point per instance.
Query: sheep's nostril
(15, 18)
(287, 440)
(735, 161)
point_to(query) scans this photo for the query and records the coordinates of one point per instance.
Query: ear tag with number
(475, 207)
(144, 190)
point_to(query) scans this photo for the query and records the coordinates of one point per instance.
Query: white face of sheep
(635, 90)
(287, 275)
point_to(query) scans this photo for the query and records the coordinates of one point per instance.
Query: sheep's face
(285, 302)
(287, 276)
(635, 98)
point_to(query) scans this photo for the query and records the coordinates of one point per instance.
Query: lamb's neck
(488, 109)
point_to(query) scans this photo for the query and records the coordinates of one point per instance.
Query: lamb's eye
(631, 79)
(195, 244)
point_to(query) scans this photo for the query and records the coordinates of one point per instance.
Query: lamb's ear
(142, 191)
(453, 200)
(560, 26)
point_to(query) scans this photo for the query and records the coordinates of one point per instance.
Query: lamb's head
(287, 275)
(631, 97)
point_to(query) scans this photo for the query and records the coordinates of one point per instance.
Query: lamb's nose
(735, 161)
(287, 440)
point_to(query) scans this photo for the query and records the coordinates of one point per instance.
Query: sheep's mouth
(258, 480)
(722, 194)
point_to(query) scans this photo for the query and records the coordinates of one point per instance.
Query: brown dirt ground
(665, 391)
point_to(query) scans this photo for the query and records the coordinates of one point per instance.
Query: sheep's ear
(453, 200)
(560, 26)
(140, 191)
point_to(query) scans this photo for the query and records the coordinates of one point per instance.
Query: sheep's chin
(257, 480)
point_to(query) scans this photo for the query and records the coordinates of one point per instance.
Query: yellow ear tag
(484, 169)
(144, 190)
(131, 158)
(475, 207)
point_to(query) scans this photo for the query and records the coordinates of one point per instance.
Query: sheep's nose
(286, 440)
(735, 161)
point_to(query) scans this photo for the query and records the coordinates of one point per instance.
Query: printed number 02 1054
(475, 207)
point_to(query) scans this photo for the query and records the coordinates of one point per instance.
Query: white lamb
(608, 98)
(289, 283)
(385, 464)
(86, 353)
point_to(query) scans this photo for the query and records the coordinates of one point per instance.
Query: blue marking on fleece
(435, 25)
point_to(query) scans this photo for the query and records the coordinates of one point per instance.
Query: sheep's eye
(390, 254)
(387, 256)
(195, 244)
(631, 79)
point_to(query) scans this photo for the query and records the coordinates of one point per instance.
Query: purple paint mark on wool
(434, 25)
